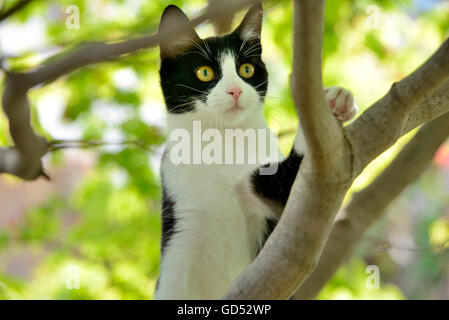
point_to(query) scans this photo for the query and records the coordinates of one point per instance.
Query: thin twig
(56, 145)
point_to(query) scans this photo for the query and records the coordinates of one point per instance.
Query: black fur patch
(179, 83)
(168, 219)
(277, 186)
(271, 224)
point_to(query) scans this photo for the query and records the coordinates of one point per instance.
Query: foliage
(107, 224)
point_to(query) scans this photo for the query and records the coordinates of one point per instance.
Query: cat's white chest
(212, 225)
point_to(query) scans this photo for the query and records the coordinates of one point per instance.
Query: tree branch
(24, 160)
(16, 7)
(430, 108)
(370, 204)
(292, 250)
(334, 157)
(386, 121)
(321, 130)
(223, 23)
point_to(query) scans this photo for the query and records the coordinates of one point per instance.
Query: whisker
(250, 54)
(183, 85)
(179, 106)
(191, 52)
(244, 42)
(253, 47)
(203, 52)
(253, 55)
(260, 84)
(207, 47)
(278, 122)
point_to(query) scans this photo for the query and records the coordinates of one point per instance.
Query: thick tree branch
(95, 52)
(334, 157)
(222, 24)
(370, 204)
(321, 130)
(292, 249)
(24, 160)
(430, 108)
(386, 121)
(16, 7)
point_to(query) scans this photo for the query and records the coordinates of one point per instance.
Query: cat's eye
(246, 70)
(205, 73)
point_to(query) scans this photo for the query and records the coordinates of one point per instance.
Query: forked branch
(370, 204)
(24, 159)
(335, 156)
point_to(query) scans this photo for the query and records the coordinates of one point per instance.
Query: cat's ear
(175, 44)
(251, 26)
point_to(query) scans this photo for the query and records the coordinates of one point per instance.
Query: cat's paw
(341, 103)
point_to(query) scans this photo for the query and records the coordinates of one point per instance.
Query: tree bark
(222, 24)
(19, 5)
(335, 156)
(370, 204)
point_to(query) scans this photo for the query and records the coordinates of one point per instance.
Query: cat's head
(219, 79)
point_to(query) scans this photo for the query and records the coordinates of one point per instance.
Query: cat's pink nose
(236, 92)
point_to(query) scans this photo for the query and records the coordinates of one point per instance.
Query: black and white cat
(215, 216)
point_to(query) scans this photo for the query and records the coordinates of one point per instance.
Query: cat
(216, 217)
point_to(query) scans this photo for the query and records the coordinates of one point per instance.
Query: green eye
(246, 70)
(205, 73)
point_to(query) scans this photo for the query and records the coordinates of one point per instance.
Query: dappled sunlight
(94, 231)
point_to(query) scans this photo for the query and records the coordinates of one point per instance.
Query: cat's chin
(235, 117)
(235, 109)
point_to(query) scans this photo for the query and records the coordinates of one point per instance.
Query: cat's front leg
(343, 107)
(275, 189)
(341, 103)
(272, 191)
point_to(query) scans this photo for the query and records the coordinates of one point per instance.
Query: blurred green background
(93, 232)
